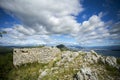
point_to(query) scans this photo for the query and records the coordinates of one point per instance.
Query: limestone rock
(86, 73)
(91, 57)
(44, 73)
(69, 56)
(30, 55)
(111, 61)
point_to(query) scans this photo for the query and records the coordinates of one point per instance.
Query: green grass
(118, 61)
(62, 72)
(28, 71)
(5, 65)
(112, 71)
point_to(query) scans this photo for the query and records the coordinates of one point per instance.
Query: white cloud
(115, 31)
(92, 31)
(44, 17)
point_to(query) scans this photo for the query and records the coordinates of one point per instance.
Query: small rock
(44, 73)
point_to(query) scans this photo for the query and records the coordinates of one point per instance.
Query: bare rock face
(91, 57)
(110, 60)
(30, 55)
(69, 56)
(86, 73)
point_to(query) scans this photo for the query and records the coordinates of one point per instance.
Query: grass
(62, 72)
(112, 71)
(5, 65)
(28, 71)
(118, 61)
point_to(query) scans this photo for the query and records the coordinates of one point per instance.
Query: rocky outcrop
(30, 55)
(92, 58)
(111, 61)
(69, 56)
(69, 65)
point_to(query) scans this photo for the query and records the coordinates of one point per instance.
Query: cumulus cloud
(115, 31)
(44, 17)
(93, 29)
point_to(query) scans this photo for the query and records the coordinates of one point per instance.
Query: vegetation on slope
(28, 71)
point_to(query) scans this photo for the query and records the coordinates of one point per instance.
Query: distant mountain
(104, 47)
(77, 47)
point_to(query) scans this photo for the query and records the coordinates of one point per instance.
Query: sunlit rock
(111, 61)
(86, 73)
(30, 55)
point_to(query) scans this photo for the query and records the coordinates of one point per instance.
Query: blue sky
(77, 22)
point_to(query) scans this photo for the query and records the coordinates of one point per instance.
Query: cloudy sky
(51, 22)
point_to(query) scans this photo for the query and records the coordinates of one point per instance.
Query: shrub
(62, 47)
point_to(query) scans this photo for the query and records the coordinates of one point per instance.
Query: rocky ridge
(30, 55)
(69, 65)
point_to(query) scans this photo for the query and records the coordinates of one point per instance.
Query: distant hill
(62, 47)
(104, 47)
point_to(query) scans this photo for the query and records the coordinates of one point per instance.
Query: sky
(53, 22)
